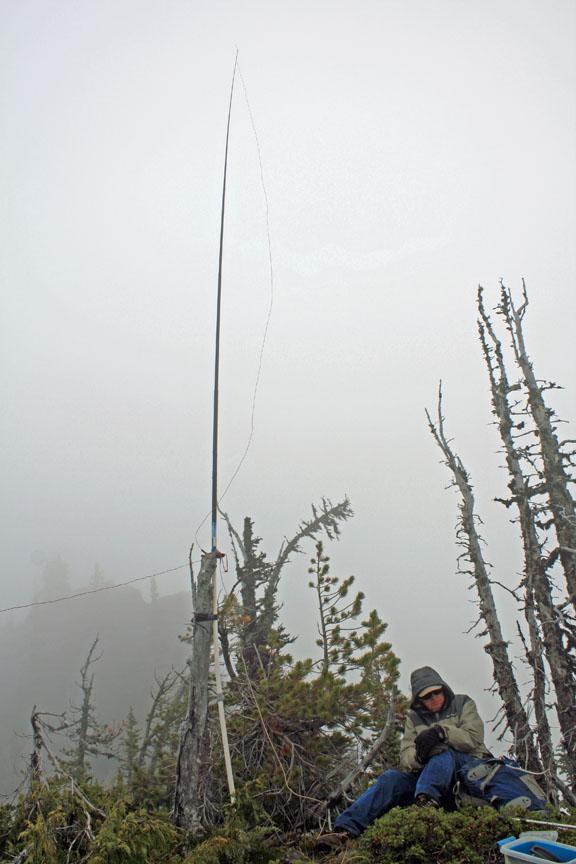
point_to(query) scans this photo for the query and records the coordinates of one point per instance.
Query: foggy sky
(411, 150)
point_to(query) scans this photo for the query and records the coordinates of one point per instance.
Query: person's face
(434, 701)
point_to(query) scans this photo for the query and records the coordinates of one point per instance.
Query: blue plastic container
(522, 850)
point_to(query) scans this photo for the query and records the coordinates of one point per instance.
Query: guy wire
(94, 590)
(271, 302)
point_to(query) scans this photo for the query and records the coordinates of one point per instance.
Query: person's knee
(393, 774)
(393, 777)
(445, 756)
(397, 781)
(441, 763)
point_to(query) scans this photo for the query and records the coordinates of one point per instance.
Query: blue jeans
(400, 788)
(437, 779)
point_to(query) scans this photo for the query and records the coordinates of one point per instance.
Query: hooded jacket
(458, 718)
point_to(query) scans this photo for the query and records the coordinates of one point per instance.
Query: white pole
(219, 691)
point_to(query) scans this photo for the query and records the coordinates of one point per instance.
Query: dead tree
(554, 474)
(162, 691)
(259, 580)
(85, 709)
(497, 647)
(541, 613)
(534, 652)
(41, 729)
(187, 812)
(36, 755)
(87, 736)
(253, 572)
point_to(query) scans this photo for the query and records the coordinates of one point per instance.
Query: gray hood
(424, 677)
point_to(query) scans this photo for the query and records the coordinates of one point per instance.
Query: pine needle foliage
(130, 741)
(335, 613)
(417, 836)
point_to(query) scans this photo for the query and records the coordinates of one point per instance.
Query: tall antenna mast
(215, 553)
(217, 343)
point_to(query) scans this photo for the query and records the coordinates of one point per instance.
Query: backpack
(499, 783)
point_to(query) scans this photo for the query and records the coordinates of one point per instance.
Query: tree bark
(497, 647)
(555, 476)
(86, 686)
(35, 758)
(187, 811)
(163, 688)
(537, 583)
(247, 573)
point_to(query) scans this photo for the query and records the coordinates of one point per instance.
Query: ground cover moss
(429, 836)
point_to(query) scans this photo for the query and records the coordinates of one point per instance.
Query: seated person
(443, 743)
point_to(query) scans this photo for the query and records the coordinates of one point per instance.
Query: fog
(410, 151)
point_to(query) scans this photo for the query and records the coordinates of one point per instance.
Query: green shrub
(246, 837)
(55, 826)
(6, 826)
(428, 836)
(132, 838)
(235, 847)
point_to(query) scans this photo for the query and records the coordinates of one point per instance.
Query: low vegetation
(51, 824)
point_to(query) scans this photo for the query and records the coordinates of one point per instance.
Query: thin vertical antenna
(215, 635)
(217, 349)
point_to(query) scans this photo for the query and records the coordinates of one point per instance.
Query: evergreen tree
(55, 579)
(131, 737)
(355, 654)
(335, 612)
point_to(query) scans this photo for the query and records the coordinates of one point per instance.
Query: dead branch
(59, 768)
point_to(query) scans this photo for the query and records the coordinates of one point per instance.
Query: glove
(430, 739)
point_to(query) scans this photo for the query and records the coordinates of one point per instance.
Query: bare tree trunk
(35, 758)
(535, 659)
(247, 573)
(327, 519)
(40, 743)
(555, 476)
(497, 648)
(86, 686)
(159, 696)
(537, 583)
(187, 805)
